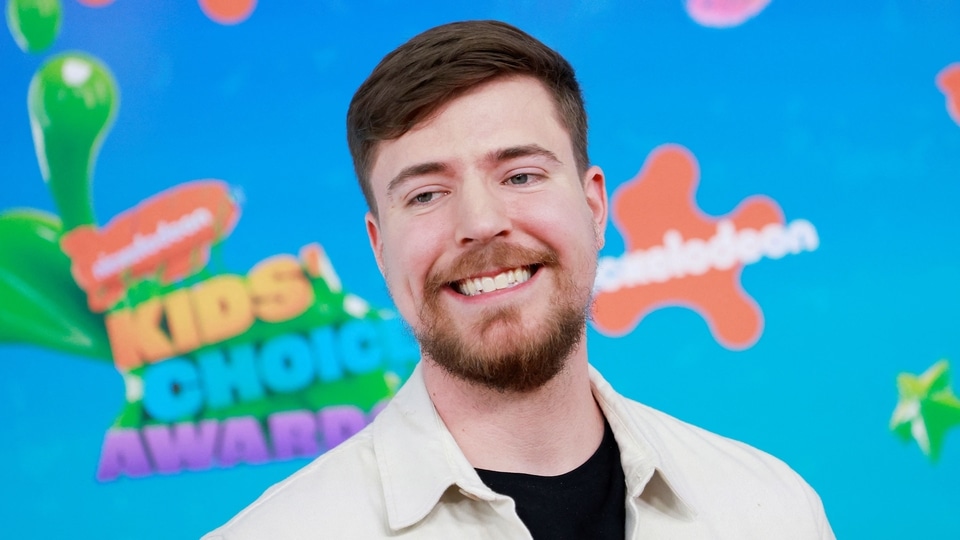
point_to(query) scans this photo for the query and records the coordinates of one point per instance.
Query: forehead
(502, 113)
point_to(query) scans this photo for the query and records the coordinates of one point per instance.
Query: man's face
(488, 237)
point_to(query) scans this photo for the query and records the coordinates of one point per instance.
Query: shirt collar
(653, 478)
(419, 460)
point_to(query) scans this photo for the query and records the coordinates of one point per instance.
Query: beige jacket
(403, 476)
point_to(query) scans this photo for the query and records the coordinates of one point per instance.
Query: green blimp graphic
(34, 24)
(72, 102)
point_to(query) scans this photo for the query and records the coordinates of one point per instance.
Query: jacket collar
(653, 478)
(417, 456)
(419, 460)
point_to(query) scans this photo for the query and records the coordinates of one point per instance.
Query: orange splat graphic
(166, 237)
(948, 81)
(659, 202)
(724, 13)
(228, 11)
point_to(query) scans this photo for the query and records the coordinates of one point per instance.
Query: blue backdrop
(829, 109)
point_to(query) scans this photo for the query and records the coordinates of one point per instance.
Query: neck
(547, 432)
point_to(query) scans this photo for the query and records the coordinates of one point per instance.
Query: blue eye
(519, 179)
(424, 198)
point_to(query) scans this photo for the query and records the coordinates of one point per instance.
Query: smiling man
(487, 231)
(469, 142)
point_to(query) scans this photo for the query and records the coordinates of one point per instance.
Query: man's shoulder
(686, 447)
(679, 438)
(721, 477)
(337, 490)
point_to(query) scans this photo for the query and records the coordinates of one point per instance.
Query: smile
(488, 284)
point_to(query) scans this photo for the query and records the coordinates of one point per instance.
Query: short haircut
(439, 65)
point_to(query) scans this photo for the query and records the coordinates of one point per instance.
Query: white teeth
(488, 284)
(469, 287)
(503, 280)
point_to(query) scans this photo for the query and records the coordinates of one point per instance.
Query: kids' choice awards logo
(218, 368)
(222, 369)
(676, 255)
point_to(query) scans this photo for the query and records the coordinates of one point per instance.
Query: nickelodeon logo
(676, 255)
(167, 238)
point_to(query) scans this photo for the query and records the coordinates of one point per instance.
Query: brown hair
(439, 65)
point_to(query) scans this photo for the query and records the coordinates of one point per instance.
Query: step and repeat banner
(189, 309)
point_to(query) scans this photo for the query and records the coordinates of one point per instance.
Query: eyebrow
(496, 156)
(526, 150)
(420, 169)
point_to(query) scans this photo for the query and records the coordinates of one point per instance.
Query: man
(485, 218)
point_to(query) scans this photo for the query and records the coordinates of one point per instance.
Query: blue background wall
(830, 109)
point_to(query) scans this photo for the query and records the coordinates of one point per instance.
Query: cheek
(573, 235)
(407, 258)
(396, 274)
(566, 225)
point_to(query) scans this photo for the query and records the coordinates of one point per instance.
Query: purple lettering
(293, 434)
(241, 440)
(340, 422)
(185, 444)
(122, 453)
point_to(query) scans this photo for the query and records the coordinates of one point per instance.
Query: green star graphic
(927, 408)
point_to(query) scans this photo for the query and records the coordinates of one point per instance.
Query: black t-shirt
(585, 503)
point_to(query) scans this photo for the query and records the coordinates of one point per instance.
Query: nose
(482, 214)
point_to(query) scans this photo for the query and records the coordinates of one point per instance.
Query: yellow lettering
(223, 308)
(279, 289)
(153, 342)
(180, 320)
(123, 339)
(135, 335)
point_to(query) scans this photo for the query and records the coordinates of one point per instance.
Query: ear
(376, 242)
(595, 189)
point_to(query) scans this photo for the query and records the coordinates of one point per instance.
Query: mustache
(487, 256)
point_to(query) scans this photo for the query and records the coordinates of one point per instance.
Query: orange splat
(228, 12)
(183, 264)
(948, 81)
(676, 255)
